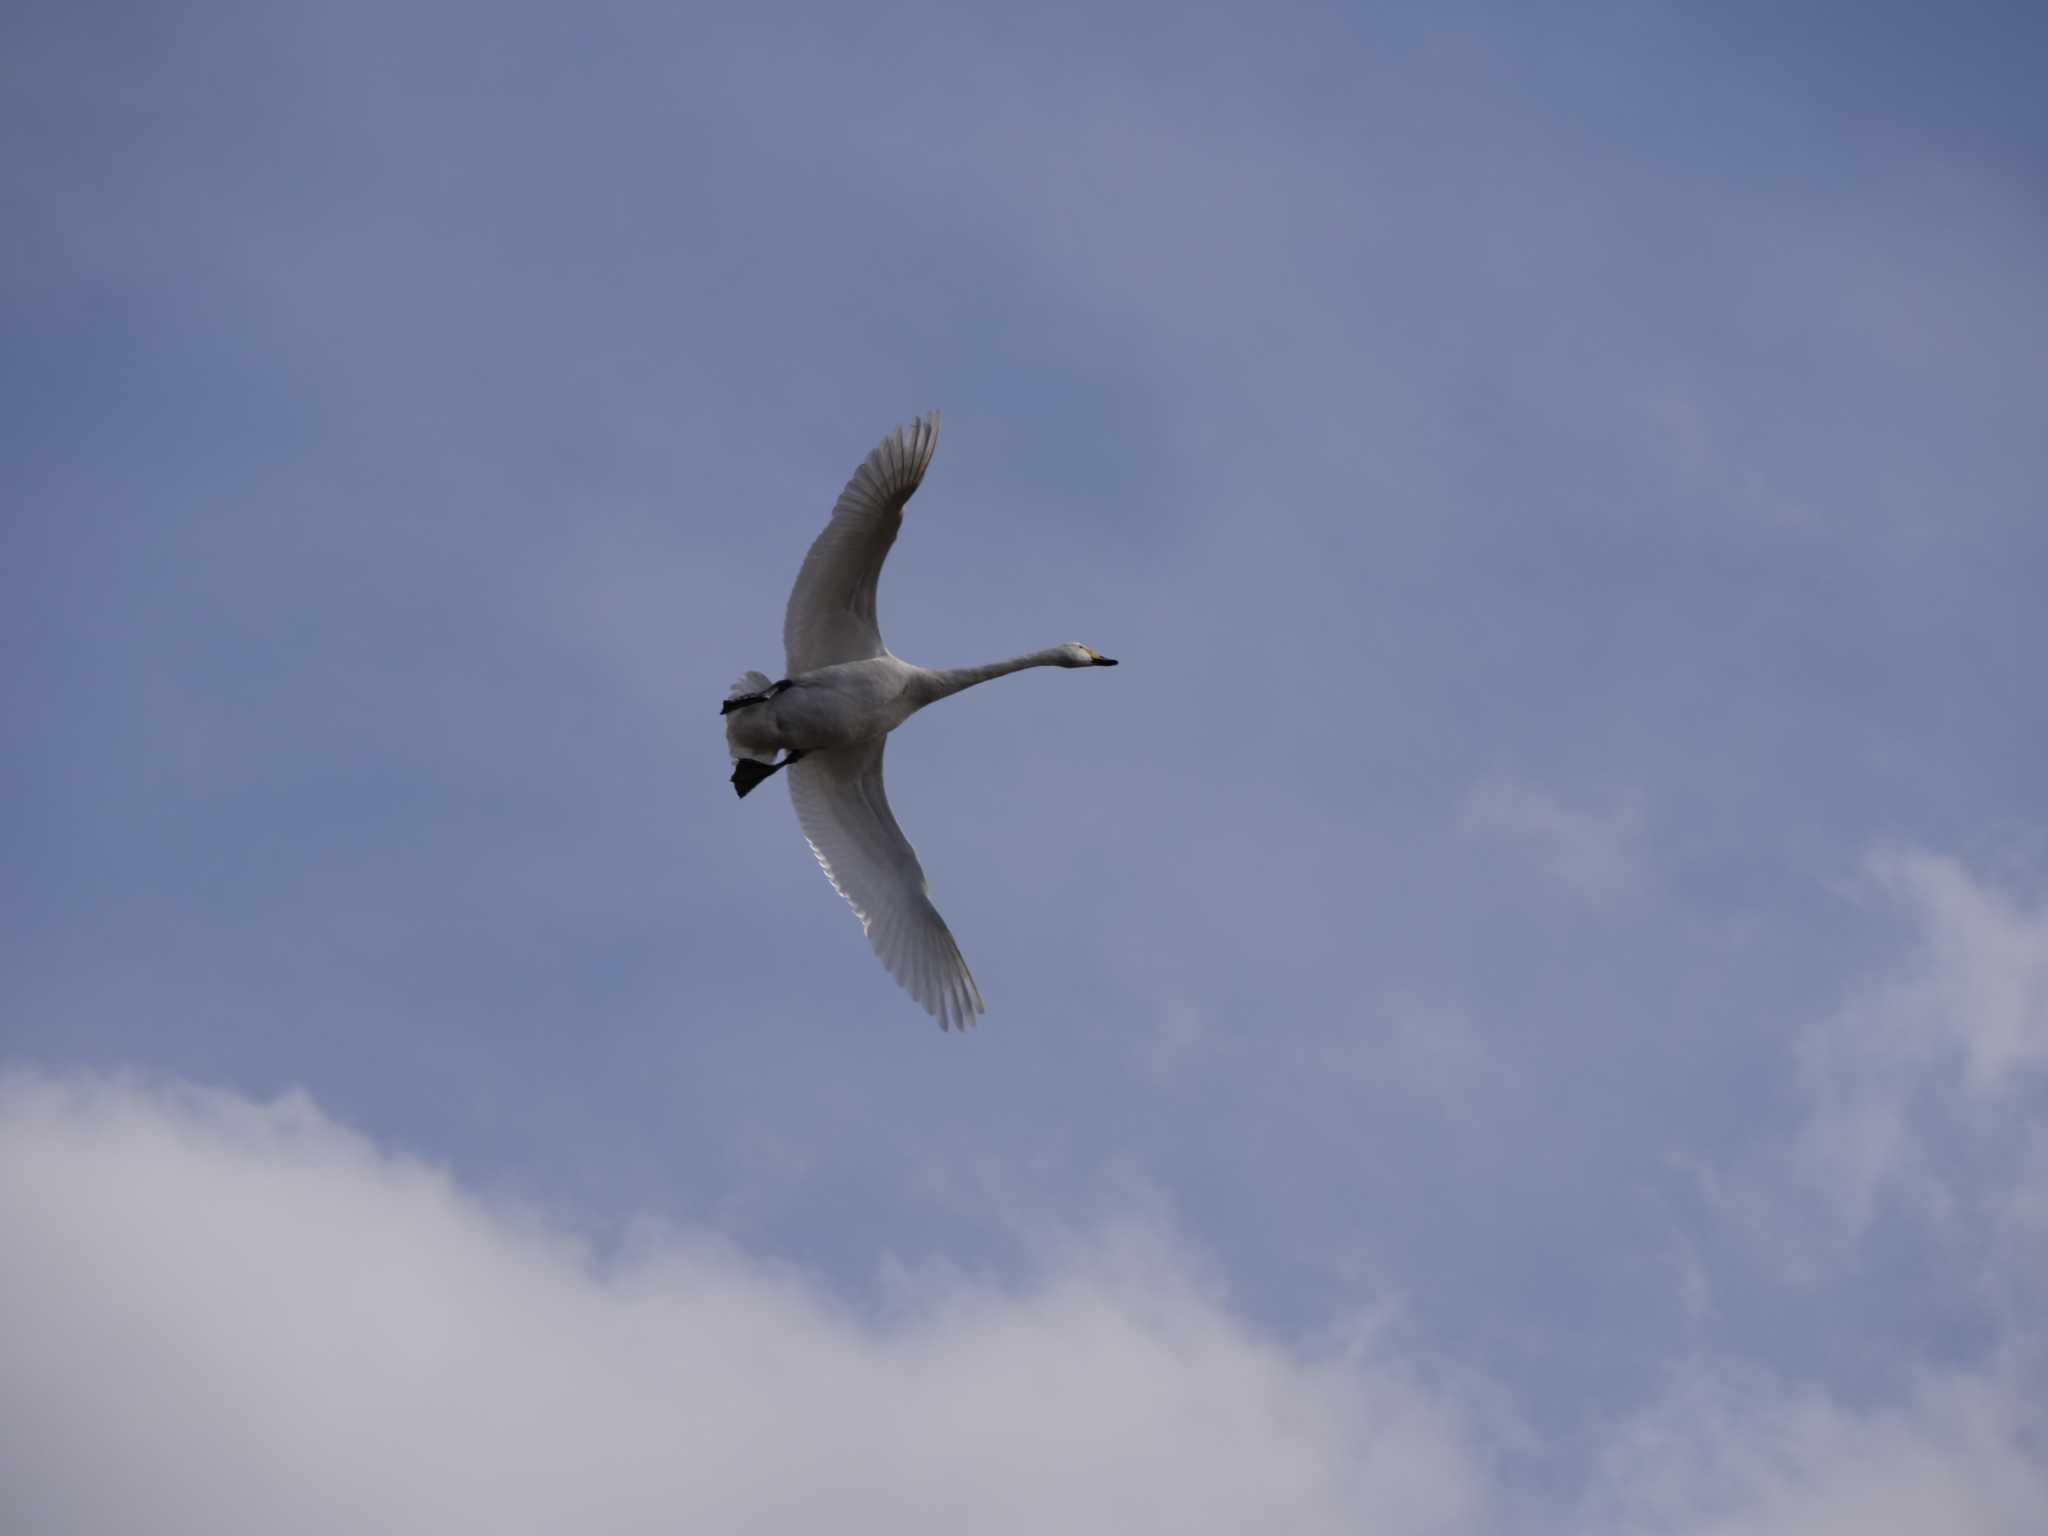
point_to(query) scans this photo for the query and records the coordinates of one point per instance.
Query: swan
(830, 716)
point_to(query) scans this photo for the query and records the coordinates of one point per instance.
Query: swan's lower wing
(831, 613)
(846, 817)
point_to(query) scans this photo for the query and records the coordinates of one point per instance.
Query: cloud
(1983, 990)
(1914, 1088)
(221, 1315)
(1597, 852)
(1739, 1456)
(1902, 1217)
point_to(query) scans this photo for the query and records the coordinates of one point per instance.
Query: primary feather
(845, 815)
(831, 613)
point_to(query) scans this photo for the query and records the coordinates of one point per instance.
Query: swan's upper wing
(846, 817)
(831, 615)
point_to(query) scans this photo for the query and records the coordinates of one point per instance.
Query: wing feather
(831, 613)
(845, 816)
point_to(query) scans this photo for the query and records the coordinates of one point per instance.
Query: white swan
(832, 713)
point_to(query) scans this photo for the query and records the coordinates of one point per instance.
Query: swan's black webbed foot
(747, 772)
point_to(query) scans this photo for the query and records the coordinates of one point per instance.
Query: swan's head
(1072, 655)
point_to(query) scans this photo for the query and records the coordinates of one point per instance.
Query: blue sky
(1523, 1004)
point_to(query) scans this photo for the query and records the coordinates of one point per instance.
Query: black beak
(1103, 661)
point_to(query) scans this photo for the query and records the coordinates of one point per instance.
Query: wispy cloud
(1910, 1176)
(1915, 1086)
(1745, 1455)
(1598, 851)
(1982, 992)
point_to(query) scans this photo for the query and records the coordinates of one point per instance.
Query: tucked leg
(748, 772)
(741, 700)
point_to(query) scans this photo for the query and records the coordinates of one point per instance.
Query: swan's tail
(750, 683)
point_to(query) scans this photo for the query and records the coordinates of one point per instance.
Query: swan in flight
(831, 714)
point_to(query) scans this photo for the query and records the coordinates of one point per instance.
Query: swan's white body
(833, 712)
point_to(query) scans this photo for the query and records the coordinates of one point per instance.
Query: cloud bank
(223, 1315)
(231, 1316)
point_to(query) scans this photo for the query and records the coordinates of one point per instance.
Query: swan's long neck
(941, 682)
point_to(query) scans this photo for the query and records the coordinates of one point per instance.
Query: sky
(1521, 1005)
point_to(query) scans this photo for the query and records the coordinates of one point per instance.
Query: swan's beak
(1103, 661)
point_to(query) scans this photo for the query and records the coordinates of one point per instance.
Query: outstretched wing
(831, 614)
(846, 817)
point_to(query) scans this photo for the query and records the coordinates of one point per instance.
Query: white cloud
(1940, 1055)
(1984, 987)
(218, 1316)
(1918, 1111)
